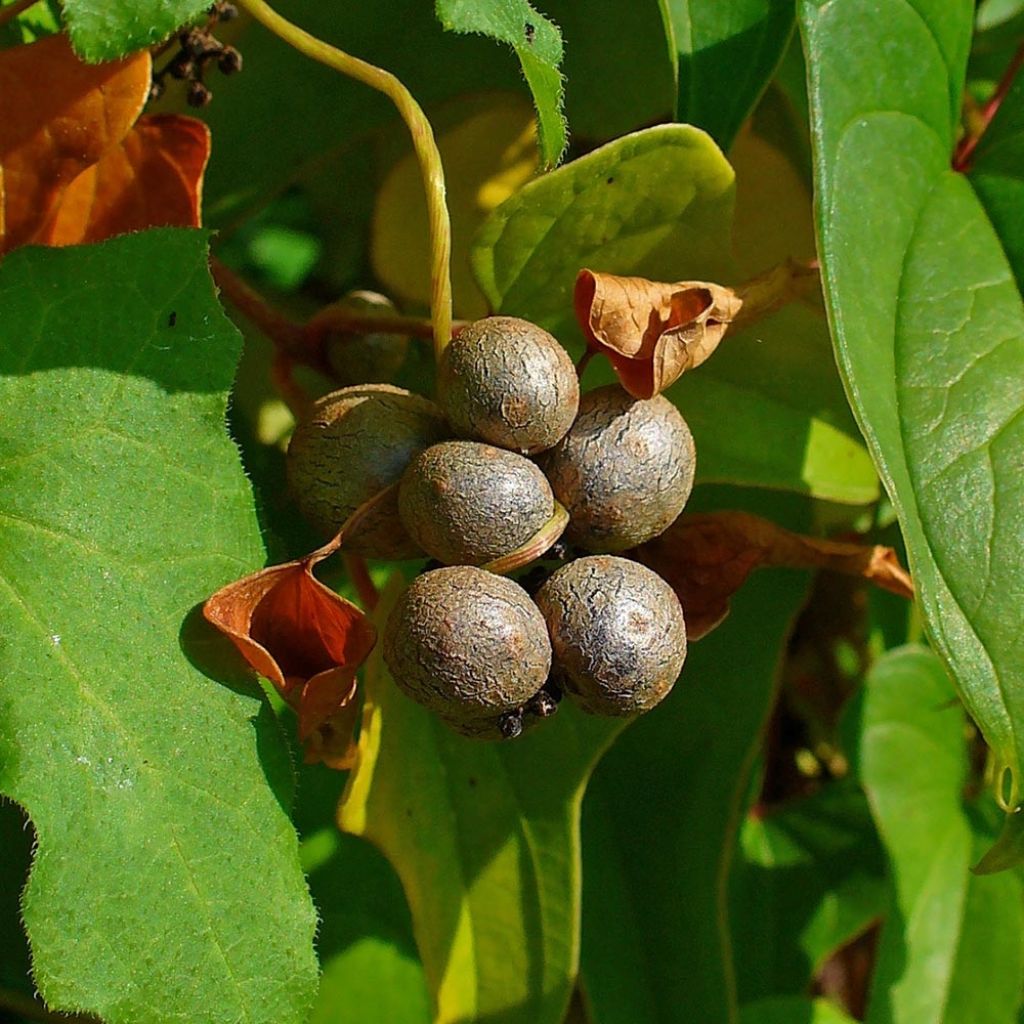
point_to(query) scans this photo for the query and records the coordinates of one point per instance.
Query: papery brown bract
(707, 558)
(651, 331)
(308, 641)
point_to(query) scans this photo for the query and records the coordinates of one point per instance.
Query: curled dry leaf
(654, 332)
(308, 641)
(77, 163)
(707, 557)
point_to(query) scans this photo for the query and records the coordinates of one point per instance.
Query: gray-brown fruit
(624, 471)
(354, 443)
(617, 634)
(469, 646)
(365, 358)
(466, 503)
(508, 382)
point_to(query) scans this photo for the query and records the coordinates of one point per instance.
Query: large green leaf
(809, 878)
(792, 1010)
(166, 885)
(997, 174)
(623, 46)
(485, 838)
(660, 822)
(656, 201)
(370, 973)
(659, 204)
(727, 51)
(538, 45)
(952, 948)
(16, 842)
(929, 329)
(106, 29)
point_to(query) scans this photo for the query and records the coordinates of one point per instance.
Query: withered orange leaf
(58, 116)
(152, 178)
(707, 557)
(307, 640)
(652, 332)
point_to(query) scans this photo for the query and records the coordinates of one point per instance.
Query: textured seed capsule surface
(508, 382)
(617, 634)
(466, 503)
(365, 358)
(468, 645)
(624, 471)
(356, 442)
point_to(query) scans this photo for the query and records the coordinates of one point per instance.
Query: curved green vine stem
(422, 140)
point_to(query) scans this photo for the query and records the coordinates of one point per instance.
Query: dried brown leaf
(707, 557)
(651, 331)
(307, 640)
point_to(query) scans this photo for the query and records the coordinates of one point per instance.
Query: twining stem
(286, 334)
(965, 150)
(422, 140)
(361, 580)
(10, 12)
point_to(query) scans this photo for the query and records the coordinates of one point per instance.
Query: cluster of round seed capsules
(484, 483)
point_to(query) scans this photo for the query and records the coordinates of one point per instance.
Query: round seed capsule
(624, 471)
(365, 358)
(617, 634)
(508, 382)
(467, 503)
(354, 444)
(470, 646)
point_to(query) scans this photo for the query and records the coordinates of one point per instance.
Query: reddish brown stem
(361, 580)
(291, 394)
(303, 343)
(284, 332)
(968, 144)
(583, 361)
(338, 319)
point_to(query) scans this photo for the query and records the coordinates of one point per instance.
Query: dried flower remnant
(308, 641)
(653, 332)
(708, 557)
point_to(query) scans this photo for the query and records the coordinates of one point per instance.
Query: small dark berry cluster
(198, 48)
(529, 458)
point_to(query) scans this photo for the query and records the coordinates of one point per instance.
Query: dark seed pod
(365, 358)
(354, 444)
(624, 471)
(617, 634)
(471, 647)
(467, 503)
(508, 382)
